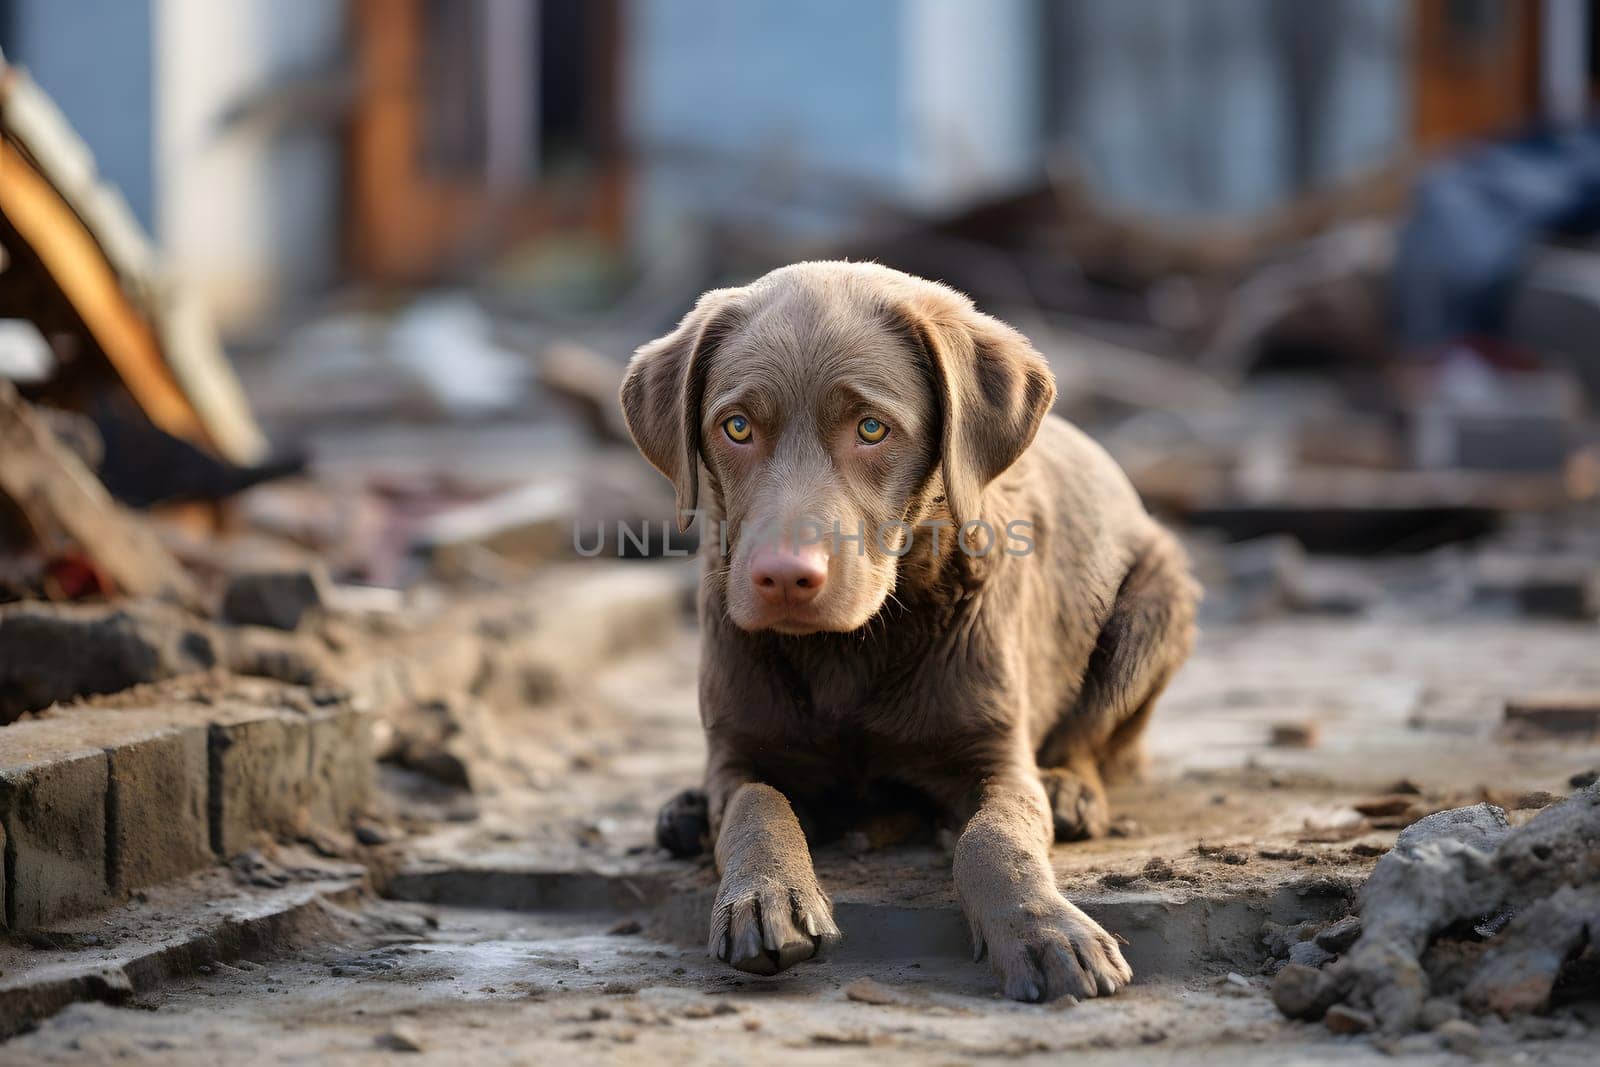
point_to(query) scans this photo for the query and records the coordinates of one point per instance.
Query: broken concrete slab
(1554, 715)
(1465, 865)
(53, 652)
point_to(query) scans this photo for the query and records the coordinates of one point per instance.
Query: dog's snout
(789, 575)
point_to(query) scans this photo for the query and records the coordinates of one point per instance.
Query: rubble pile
(1467, 916)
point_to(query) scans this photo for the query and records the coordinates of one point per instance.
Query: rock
(1302, 992)
(1554, 715)
(1294, 735)
(51, 653)
(400, 1039)
(1341, 935)
(276, 599)
(1235, 984)
(1343, 1019)
(1157, 869)
(1310, 954)
(1439, 872)
(1438, 1011)
(1389, 805)
(1459, 1036)
(1584, 779)
(869, 991)
(1280, 939)
(624, 928)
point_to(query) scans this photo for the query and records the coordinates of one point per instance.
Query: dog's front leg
(770, 912)
(1040, 945)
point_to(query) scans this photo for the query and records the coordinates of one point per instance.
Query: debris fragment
(279, 599)
(1341, 935)
(870, 991)
(66, 508)
(1382, 806)
(1454, 867)
(1294, 735)
(1554, 715)
(400, 1039)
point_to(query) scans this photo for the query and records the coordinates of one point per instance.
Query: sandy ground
(1228, 831)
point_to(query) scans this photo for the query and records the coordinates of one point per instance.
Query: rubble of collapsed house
(220, 662)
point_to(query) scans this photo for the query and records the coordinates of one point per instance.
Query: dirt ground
(548, 926)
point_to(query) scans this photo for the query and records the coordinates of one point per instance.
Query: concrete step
(97, 802)
(174, 930)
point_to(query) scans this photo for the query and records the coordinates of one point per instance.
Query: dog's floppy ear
(661, 394)
(994, 389)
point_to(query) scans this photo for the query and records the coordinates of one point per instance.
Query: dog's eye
(737, 427)
(871, 430)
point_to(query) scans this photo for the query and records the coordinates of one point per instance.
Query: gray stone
(51, 653)
(1459, 1036)
(1341, 935)
(278, 599)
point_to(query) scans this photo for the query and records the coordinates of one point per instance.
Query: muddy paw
(1078, 807)
(765, 926)
(684, 824)
(1055, 950)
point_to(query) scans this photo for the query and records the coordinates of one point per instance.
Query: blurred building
(276, 146)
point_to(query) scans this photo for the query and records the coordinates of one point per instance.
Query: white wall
(813, 115)
(247, 214)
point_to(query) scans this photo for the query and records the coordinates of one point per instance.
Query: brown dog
(915, 578)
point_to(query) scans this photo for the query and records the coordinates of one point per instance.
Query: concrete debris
(279, 599)
(1294, 735)
(868, 991)
(1556, 715)
(1446, 869)
(400, 1039)
(42, 660)
(590, 382)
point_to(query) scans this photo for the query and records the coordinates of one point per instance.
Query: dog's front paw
(684, 823)
(1041, 952)
(764, 925)
(1078, 806)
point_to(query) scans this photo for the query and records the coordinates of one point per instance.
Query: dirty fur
(1001, 688)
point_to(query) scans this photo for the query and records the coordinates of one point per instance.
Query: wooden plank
(1555, 714)
(75, 263)
(66, 505)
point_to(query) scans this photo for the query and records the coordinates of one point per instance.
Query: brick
(157, 807)
(343, 768)
(54, 810)
(260, 766)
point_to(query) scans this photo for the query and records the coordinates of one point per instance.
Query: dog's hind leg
(1144, 640)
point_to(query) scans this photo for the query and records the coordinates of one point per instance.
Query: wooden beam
(78, 268)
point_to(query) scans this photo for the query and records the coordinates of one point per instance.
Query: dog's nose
(789, 576)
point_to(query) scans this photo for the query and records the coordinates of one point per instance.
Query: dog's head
(834, 407)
